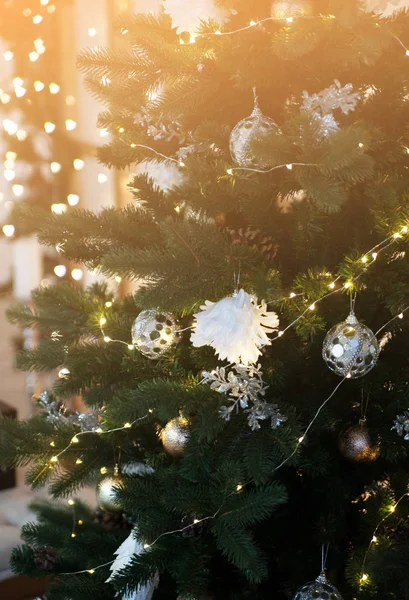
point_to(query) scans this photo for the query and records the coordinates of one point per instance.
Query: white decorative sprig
(246, 389)
(56, 411)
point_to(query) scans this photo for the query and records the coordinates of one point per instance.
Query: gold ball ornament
(106, 494)
(356, 444)
(175, 435)
(286, 9)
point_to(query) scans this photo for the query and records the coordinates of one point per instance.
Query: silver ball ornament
(255, 127)
(350, 348)
(320, 589)
(105, 492)
(356, 444)
(175, 435)
(153, 333)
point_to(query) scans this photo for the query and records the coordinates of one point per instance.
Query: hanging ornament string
(364, 577)
(324, 556)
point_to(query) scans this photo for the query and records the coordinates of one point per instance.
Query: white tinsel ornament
(186, 16)
(236, 327)
(255, 127)
(350, 348)
(153, 333)
(320, 589)
(127, 550)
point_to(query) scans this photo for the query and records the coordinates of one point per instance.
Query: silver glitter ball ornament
(350, 348)
(153, 333)
(175, 435)
(255, 127)
(320, 589)
(105, 493)
(356, 444)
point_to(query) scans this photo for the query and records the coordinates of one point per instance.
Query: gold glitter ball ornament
(356, 444)
(320, 589)
(350, 348)
(175, 435)
(153, 333)
(105, 492)
(255, 127)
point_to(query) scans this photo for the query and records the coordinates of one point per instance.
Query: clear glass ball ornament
(175, 435)
(320, 589)
(255, 127)
(350, 348)
(153, 333)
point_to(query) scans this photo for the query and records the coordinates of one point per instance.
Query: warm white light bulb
(78, 164)
(10, 126)
(21, 135)
(59, 208)
(17, 82)
(70, 124)
(49, 127)
(9, 230)
(60, 270)
(54, 88)
(11, 155)
(5, 98)
(9, 174)
(8, 55)
(77, 274)
(20, 92)
(33, 56)
(73, 199)
(103, 132)
(39, 46)
(69, 100)
(55, 167)
(39, 86)
(102, 178)
(92, 32)
(18, 190)
(37, 19)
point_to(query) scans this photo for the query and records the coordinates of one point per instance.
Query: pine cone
(45, 558)
(254, 238)
(112, 521)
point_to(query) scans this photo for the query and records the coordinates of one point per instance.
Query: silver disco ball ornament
(153, 333)
(320, 589)
(255, 127)
(350, 348)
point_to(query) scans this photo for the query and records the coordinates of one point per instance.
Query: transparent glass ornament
(255, 127)
(153, 333)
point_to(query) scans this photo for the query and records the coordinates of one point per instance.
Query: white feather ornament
(236, 327)
(127, 550)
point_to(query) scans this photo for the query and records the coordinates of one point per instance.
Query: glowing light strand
(364, 575)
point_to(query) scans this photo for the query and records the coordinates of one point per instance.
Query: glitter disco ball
(355, 444)
(350, 348)
(153, 333)
(320, 589)
(175, 435)
(255, 127)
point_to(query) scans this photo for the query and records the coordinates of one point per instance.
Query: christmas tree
(246, 426)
